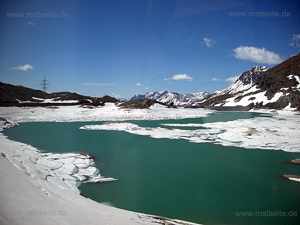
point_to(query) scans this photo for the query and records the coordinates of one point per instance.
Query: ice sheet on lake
(280, 132)
(156, 132)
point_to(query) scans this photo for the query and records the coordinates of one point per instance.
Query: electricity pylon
(44, 84)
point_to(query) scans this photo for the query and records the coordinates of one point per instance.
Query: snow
(295, 179)
(168, 97)
(109, 112)
(253, 98)
(258, 97)
(54, 100)
(244, 82)
(297, 79)
(58, 167)
(280, 132)
(276, 133)
(157, 132)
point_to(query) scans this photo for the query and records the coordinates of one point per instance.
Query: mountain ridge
(167, 97)
(18, 95)
(274, 88)
(259, 87)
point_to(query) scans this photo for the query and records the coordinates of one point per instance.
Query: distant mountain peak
(171, 97)
(250, 76)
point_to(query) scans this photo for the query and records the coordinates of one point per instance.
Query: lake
(198, 182)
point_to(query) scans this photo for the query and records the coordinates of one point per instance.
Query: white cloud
(259, 55)
(209, 42)
(180, 77)
(24, 68)
(115, 95)
(146, 88)
(213, 79)
(295, 41)
(232, 79)
(29, 23)
(138, 84)
(97, 84)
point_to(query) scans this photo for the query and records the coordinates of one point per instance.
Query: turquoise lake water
(203, 183)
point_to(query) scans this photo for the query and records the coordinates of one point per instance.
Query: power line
(44, 84)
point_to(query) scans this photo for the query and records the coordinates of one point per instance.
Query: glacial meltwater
(199, 182)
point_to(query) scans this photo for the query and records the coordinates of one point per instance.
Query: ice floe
(62, 169)
(277, 133)
(293, 177)
(155, 132)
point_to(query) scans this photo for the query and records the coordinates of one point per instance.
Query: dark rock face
(250, 76)
(107, 98)
(11, 95)
(279, 79)
(140, 104)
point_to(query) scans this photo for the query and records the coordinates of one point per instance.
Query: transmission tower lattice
(44, 84)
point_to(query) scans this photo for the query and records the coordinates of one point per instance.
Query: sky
(126, 47)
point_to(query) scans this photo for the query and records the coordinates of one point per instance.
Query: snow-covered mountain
(260, 87)
(171, 97)
(243, 83)
(246, 80)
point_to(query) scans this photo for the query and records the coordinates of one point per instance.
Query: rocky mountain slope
(275, 88)
(11, 95)
(171, 97)
(140, 104)
(245, 81)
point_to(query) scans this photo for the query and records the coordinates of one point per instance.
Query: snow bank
(63, 169)
(54, 100)
(109, 112)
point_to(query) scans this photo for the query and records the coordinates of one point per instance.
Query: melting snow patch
(109, 112)
(278, 132)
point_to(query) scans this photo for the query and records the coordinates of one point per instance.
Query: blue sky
(127, 47)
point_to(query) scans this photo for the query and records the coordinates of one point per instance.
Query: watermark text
(267, 213)
(32, 213)
(34, 15)
(261, 14)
